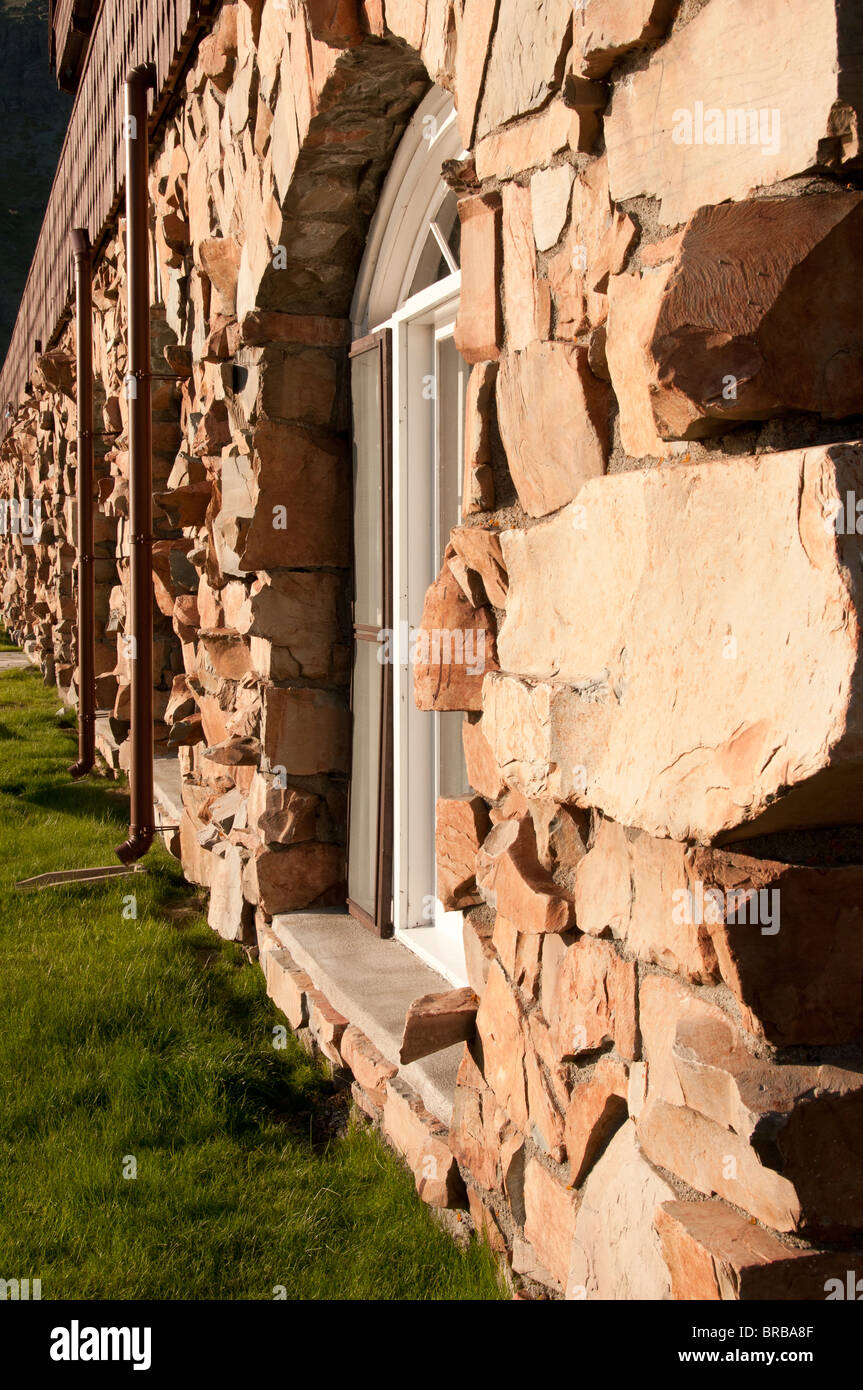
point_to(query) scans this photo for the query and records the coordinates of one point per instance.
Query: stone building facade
(507, 421)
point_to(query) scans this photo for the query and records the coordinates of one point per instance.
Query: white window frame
(408, 208)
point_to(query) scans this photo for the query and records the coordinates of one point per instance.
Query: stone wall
(662, 1096)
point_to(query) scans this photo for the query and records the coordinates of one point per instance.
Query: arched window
(408, 384)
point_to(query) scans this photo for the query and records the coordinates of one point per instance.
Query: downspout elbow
(140, 839)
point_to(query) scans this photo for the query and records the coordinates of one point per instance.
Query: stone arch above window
(415, 236)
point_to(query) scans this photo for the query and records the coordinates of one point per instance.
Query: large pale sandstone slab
(737, 57)
(748, 318)
(474, 24)
(616, 1252)
(771, 606)
(526, 63)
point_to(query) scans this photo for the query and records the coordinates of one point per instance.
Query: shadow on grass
(80, 799)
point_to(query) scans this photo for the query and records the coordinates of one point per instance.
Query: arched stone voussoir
(337, 174)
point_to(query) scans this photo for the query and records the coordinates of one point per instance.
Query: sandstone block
(712, 915)
(478, 548)
(478, 1126)
(595, 1001)
(291, 473)
(288, 986)
(752, 753)
(455, 646)
(478, 488)
(742, 125)
(596, 245)
(550, 1224)
(596, 1109)
(485, 1222)
(474, 25)
(478, 952)
(782, 1141)
(297, 611)
(226, 912)
(695, 363)
(534, 142)
(423, 1142)
(290, 879)
(498, 1025)
(525, 66)
(712, 1252)
(478, 331)
(326, 1025)
(552, 417)
(545, 1120)
(483, 773)
(436, 1021)
(616, 1251)
(512, 880)
(527, 300)
(550, 194)
(369, 1066)
(606, 30)
(461, 825)
(305, 731)
(281, 816)
(519, 953)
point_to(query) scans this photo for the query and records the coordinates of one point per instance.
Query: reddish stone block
(479, 332)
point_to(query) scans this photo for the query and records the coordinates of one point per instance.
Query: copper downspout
(86, 582)
(138, 391)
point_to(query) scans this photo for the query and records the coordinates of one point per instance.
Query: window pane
(432, 265)
(452, 372)
(452, 772)
(368, 488)
(365, 776)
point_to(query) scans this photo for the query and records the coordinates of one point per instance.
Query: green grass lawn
(145, 1037)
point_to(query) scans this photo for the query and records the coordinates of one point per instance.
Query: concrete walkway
(9, 661)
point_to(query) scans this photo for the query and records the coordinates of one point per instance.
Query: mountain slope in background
(33, 119)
